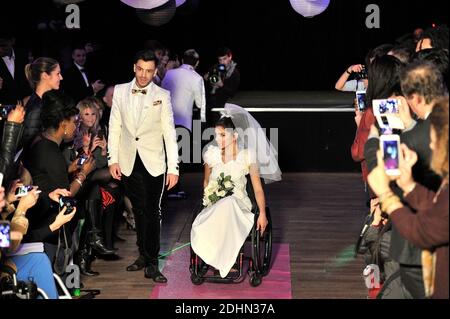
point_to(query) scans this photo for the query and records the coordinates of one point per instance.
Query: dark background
(276, 48)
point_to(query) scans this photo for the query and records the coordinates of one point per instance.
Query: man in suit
(141, 124)
(77, 80)
(13, 83)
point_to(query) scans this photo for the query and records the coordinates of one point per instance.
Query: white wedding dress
(220, 230)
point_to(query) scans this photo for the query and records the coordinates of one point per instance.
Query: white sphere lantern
(158, 16)
(145, 4)
(309, 8)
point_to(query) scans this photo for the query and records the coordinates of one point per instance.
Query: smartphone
(5, 109)
(22, 191)
(361, 100)
(390, 147)
(100, 134)
(387, 113)
(1, 179)
(82, 160)
(5, 234)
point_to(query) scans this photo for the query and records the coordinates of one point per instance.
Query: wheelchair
(258, 263)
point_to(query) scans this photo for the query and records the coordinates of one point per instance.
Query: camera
(101, 134)
(5, 109)
(11, 288)
(217, 73)
(23, 190)
(5, 234)
(68, 202)
(361, 75)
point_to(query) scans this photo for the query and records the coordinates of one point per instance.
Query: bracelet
(82, 174)
(348, 72)
(78, 181)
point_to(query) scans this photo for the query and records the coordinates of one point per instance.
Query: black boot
(95, 241)
(84, 260)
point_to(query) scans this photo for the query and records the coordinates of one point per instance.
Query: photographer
(223, 80)
(360, 82)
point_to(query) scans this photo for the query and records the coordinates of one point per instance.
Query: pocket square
(156, 103)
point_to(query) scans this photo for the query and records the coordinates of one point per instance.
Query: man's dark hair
(439, 57)
(56, 107)
(438, 36)
(191, 57)
(403, 53)
(223, 51)
(384, 78)
(423, 78)
(146, 55)
(78, 46)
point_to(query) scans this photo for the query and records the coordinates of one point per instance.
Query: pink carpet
(276, 285)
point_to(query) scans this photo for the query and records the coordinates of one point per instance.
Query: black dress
(49, 171)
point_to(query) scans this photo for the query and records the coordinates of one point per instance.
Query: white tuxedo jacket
(154, 128)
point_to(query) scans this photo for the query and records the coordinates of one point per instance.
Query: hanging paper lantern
(66, 2)
(145, 4)
(187, 7)
(158, 16)
(310, 8)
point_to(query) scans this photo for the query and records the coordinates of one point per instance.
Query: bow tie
(135, 91)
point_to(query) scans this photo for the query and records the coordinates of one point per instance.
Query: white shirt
(137, 102)
(185, 86)
(83, 74)
(10, 63)
(353, 86)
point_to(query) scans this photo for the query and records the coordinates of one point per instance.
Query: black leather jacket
(12, 134)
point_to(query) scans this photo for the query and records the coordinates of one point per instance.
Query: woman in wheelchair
(221, 228)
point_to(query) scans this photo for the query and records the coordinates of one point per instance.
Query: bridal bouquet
(217, 189)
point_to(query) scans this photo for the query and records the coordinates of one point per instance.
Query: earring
(65, 132)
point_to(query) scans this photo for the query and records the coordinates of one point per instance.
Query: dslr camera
(217, 73)
(68, 202)
(361, 75)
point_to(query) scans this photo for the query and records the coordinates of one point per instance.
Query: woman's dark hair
(225, 122)
(146, 55)
(384, 78)
(439, 122)
(34, 70)
(56, 108)
(378, 52)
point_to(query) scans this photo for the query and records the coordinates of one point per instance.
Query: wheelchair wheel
(262, 248)
(196, 280)
(255, 280)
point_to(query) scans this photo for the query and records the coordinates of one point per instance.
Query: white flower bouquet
(217, 189)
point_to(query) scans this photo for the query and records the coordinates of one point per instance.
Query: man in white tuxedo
(141, 123)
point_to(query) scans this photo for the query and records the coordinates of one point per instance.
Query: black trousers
(145, 193)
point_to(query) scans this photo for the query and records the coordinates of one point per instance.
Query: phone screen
(23, 190)
(361, 98)
(5, 235)
(391, 155)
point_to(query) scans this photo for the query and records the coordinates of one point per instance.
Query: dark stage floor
(317, 214)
